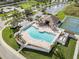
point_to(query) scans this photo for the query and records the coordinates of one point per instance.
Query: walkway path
(76, 50)
(6, 52)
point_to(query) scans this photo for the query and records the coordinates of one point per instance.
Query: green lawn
(25, 6)
(69, 51)
(61, 15)
(8, 38)
(28, 5)
(66, 52)
(63, 52)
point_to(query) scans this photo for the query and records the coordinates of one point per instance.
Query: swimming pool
(43, 36)
(71, 24)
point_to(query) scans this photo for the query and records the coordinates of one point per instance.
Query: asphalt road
(6, 54)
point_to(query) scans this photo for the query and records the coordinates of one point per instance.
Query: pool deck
(39, 43)
(35, 42)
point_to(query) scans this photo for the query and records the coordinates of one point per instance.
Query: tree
(28, 12)
(44, 1)
(16, 0)
(4, 14)
(57, 51)
(16, 19)
(76, 3)
(14, 22)
(72, 10)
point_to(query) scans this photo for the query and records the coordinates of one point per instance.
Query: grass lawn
(65, 52)
(25, 6)
(69, 51)
(30, 4)
(61, 15)
(8, 38)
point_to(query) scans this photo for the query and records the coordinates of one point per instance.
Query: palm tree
(57, 51)
(14, 22)
(16, 19)
(28, 14)
(4, 14)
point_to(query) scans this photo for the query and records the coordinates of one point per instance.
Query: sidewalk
(76, 50)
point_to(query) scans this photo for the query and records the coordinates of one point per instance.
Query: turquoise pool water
(71, 24)
(44, 36)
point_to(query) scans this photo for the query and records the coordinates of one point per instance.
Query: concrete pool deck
(35, 42)
(38, 43)
(42, 44)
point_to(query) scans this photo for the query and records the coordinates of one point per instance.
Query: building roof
(50, 18)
